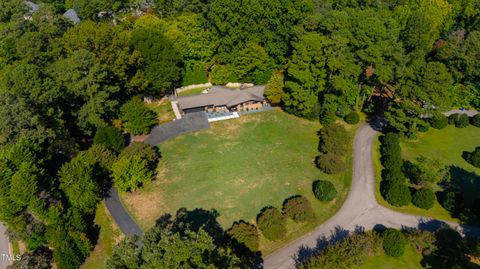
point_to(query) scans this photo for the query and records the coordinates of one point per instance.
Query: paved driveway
(4, 249)
(360, 209)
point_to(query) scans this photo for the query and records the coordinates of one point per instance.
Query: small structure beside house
(70, 14)
(223, 99)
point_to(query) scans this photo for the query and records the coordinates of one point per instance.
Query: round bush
(397, 194)
(394, 242)
(453, 118)
(299, 209)
(272, 223)
(330, 163)
(439, 122)
(136, 118)
(474, 157)
(245, 233)
(475, 120)
(110, 137)
(462, 121)
(324, 190)
(423, 127)
(394, 175)
(423, 198)
(352, 118)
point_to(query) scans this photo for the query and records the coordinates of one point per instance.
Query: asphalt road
(4, 248)
(120, 215)
(360, 210)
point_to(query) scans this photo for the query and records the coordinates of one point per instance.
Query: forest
(62, 84)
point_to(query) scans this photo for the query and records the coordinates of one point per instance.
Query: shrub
(423, 126)
(349, 252)
(334, 139)
(392, 162)
(439, 121)
(109, 137)
(394, 242)
(453, 118)
(394, 175)
(452, 201)
(352, 118)
(473, 157)
(130, 172)
(299, 209)
(423, 198)
(245, 233)
(136, 117)
(330, 163)
(272, 223)
(422, 241)
(274, 88)
(324, 190)
(144, 151)
(397, 194)
(475, 120)
(462, 121)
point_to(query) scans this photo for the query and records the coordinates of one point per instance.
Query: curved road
(359, 210)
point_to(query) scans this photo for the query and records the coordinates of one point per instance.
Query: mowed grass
(163, 109)
(109, 236)
(410, 260)
(447, 145)
(237, 168)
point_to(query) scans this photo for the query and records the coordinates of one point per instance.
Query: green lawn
(447, 145)
(192, 91)
(163, 109)
(410, 260)
(108, 237)
(238, 167)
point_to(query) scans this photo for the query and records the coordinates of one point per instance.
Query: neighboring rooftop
(222, 96)
(70, 14)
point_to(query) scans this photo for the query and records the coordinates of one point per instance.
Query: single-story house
(219, 98)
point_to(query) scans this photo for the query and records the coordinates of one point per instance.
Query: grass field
(447, 145)
(410, 260)
(238, 167)
(163, 109)
(108, 237)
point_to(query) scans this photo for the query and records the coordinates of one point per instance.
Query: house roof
(72, 16)
(222, 96)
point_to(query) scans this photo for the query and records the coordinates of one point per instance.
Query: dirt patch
(148, 206)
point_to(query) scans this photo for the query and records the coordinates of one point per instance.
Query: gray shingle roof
(72, 16)
(221, 96)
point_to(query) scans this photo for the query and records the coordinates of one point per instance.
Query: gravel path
(360, 210)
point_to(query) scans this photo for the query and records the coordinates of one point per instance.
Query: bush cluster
(459, 120)
(245, 233)
(475, 120)
(324, 190)
(272, 223)
(394, 242)
(393, 187)
(333, 146)
(299, 209)
(352, 118)
(349, 252)
(473, 157)
(439, 121)
(423, 198)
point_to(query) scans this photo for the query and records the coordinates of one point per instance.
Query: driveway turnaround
(360, 209)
